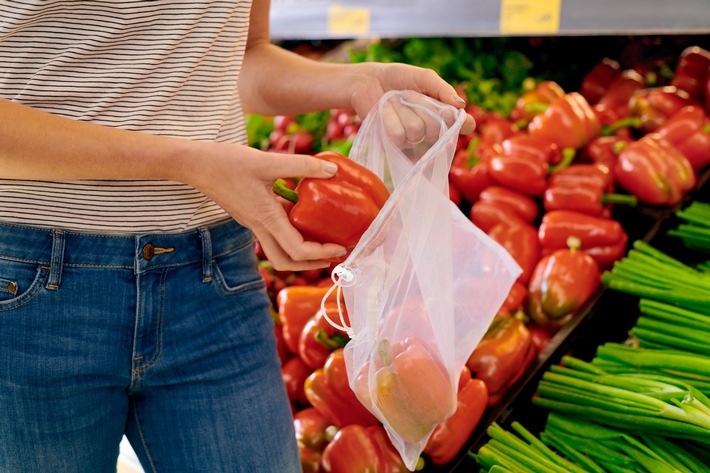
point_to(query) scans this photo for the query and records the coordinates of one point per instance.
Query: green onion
(695, 233)
(637, 401)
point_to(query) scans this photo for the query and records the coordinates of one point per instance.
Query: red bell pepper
(352, 450)
(583, 188)
(534, 102)
(413, 390)
(521, 242)
(689, 130)
(391, 460)
(524, 206)
(603, 239)
(541, 336)
(496, 129)
(653, 106)
(469, 171)
(522, 174)
(614, 104)
(338, 209)
(569, 121)
(327, 390)
(310, 460)
(296, 305)
(502, 356)
(450, 436)
(358, 449)
(281, 349)
(536, 148)
(523, 162)
(319, 337)
(310, 426)
(294, 373)
(486, 215)
(455, 194)
(561, 284)
(596, 82)
(655, 171)
(603, 151)
(691, 70)
(516, 297)
(655, 70)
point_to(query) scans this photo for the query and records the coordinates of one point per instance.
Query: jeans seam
(159, 339)
(141, 434)
(37, 290)
(23, 260)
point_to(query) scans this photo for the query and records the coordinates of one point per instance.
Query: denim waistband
(52, 247)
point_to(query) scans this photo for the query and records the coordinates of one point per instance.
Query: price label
(347, 20)
(530, 16)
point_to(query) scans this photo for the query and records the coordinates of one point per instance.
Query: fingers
(430, 83)
(468, 126)
(286, 249)
(404, 126)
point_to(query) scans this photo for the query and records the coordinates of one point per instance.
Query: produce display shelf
(320, 19)
(606, 318)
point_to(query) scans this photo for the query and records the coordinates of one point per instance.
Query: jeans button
(148, 251)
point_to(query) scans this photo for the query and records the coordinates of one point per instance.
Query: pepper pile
(544, 181)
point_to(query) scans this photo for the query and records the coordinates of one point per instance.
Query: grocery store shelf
(325, 19)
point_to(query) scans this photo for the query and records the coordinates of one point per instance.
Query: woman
(129, 297)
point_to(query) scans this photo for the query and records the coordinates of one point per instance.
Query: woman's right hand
(240, 178)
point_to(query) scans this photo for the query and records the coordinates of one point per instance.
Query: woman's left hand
(371, 80)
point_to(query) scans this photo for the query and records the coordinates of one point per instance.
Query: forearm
(36, 145)
(275, 81)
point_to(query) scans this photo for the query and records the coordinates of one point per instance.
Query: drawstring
(345, 275)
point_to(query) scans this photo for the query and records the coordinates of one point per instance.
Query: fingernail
(458, 99)
(330, 168)
(342, 253)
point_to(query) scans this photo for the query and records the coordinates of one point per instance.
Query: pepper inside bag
(423, 283)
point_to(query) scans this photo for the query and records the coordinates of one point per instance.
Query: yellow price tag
(530, 16)
(348, 20)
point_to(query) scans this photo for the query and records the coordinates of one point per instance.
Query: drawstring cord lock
(341, 277)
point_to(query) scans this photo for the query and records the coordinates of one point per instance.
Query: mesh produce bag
(423, 283)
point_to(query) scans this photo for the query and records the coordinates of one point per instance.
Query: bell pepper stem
(623, 199)
(706, 128)
(330, 432)
(628, 122)
(619, 146)
(574, 243)
(383, 351)
(282, 190)
(473, 158)
(568, 155)
(536, 107)
(332, 342)
(420, 464)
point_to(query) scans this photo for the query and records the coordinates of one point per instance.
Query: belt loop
(55, 266)
(206, 254)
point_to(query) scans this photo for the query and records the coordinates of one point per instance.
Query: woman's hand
(240, 179)
(371, 80)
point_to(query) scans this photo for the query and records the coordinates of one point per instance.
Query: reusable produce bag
(423, 283)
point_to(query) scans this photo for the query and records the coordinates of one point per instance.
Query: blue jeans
(166, 338)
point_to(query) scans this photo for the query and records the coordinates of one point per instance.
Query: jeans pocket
(19, 282)
(236, 272)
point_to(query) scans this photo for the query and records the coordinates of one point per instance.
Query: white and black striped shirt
(167, 67)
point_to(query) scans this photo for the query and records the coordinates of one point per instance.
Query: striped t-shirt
(167, 67)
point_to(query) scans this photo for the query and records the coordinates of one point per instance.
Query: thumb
(301, 165)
